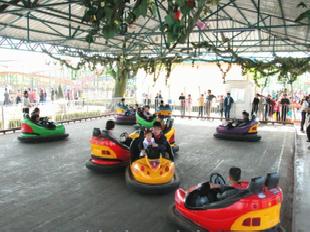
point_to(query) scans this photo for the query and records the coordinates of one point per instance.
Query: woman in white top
(26, 103)
(304, 106)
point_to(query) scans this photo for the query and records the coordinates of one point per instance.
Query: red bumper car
(256, 208)
(108, 154)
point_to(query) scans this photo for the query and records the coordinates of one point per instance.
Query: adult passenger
(160, 138)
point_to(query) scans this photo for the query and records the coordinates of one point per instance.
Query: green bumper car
(36, 132)
(142, 121)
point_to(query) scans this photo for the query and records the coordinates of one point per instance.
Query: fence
(63, 110)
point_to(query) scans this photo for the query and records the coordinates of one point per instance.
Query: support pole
(70, 32)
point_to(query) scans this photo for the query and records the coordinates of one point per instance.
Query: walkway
(302, 184)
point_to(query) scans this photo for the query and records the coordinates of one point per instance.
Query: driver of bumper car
(109, 127)
(240, 122)
(35, 117)
(146, 112)
(234, 178)
(216, 192)
(124, 106)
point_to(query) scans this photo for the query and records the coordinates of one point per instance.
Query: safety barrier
(13, 130)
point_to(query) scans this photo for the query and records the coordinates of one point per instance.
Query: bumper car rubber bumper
(234, 137)
(182, 222)
(100, 168)
(187, 225)
(149, 188)
(40, 138)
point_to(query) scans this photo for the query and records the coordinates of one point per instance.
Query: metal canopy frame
(56, 26)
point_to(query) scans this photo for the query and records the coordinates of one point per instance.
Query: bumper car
(125, 117)
(241, 132)
(151, 175)
(142, 121)
(164, 111)
(256, 208)
(108, 154)
(41, 132)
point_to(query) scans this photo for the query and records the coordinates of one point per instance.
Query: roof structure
(250, 26)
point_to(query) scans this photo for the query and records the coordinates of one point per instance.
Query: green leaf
(180, 2)
(169, 20)
(108, 14)
(141, 8)
(185, 10)
(90, 38)
(109, 31)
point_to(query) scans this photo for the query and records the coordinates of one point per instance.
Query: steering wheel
(123, 136)
(217, 178)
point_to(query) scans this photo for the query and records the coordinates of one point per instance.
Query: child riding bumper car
(42, 131)
(151, 174)
(244, 130)
(256, 208)
(107, 153)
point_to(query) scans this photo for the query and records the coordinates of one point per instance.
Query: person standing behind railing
(189, 104)
(201, 102)
(228, 102)
(221, 105)
(182, 104)
(6, 97)
(268, 106)
(26, 103)
(285, 102)
(255, 105)
(276, 110)
(209, 99)
(304, 106)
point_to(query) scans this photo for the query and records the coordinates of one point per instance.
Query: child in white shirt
(148, 141)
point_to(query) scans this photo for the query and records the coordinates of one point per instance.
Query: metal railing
(64, 110)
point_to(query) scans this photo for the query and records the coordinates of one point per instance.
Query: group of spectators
(205, 104)
(37, 95)
(279, 107)
(34, 96)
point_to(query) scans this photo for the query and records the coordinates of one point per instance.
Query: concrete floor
(46, 187)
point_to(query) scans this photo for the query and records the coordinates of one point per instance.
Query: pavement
(46, 187)
(301, 203)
